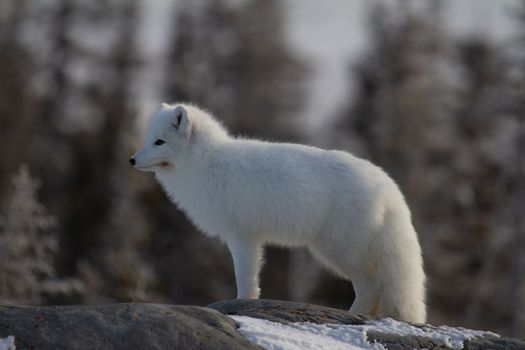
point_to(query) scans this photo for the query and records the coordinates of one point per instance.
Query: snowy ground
(306, 336)
(7, 343)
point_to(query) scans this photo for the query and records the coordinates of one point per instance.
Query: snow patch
(7, 343)
(453, 337)
(305, 335)
(302, 336)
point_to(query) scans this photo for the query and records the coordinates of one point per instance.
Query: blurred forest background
(444, 117)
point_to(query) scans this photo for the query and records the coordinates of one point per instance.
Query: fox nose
(132, 161)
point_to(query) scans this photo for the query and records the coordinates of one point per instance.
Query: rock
(286, 312)
(120, 326)
(154, 326)
(494, 344)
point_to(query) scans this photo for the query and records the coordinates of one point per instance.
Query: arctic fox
(348, 212)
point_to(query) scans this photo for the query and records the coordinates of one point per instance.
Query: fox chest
(205, 208)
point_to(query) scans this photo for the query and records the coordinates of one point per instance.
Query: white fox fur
(348, 212)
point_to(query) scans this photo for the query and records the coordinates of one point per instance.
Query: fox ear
(180, 119)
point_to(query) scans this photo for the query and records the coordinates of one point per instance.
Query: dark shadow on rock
(287, 311)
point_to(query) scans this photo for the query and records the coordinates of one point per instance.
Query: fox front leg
(247, 256)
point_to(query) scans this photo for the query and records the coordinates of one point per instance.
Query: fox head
(167, 137)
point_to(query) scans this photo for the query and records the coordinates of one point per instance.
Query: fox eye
(159, 142)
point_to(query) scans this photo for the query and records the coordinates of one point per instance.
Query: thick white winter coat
(348, 212)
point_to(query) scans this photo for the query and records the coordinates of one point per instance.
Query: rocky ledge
(120, 326)
(154, 326)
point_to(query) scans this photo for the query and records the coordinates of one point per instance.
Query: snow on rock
(306, 335)
(7, 343)
(450, 336)
(302, 335)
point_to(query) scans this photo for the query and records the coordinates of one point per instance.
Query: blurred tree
(481, 172)
(42, 104)
(28, 244)
(517, 285)
(17, 97)
(69, 114)
(119, 267)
